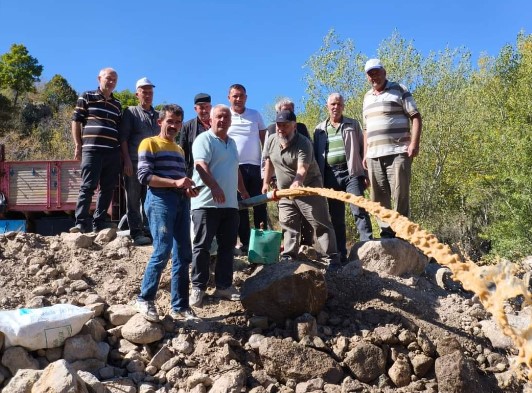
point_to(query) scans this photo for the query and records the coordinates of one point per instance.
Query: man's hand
(296, 184)
(184, 182)
(218, 194)
(77, 153)
(128, 167)
(264, 188)
(413, 150)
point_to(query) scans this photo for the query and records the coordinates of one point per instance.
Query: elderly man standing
(339, 149)
(215, 210)
(138, 122)
(194, 127)
(248, 131)
(290, 155)
(162, 168)
(390, 142)
(95, 125)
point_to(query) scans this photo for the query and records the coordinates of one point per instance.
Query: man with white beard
(291, 156)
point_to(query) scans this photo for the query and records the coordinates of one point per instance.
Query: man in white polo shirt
(248, 131)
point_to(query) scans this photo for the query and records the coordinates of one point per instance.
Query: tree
(19, 71)
(58, 92)
(126, 98)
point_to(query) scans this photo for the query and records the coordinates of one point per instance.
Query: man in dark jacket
(339, 149)
(192, 128)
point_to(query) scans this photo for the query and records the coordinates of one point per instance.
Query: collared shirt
(286, 159)
(100, 118)
(387, 120)
(137, 124)
(222, 159)
(244, 130)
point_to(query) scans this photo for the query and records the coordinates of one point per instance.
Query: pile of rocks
(362, 329)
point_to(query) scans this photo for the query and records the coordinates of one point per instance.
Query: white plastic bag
(46, 327)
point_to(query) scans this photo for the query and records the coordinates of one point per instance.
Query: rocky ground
(387, 322)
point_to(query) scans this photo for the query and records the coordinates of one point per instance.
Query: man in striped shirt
(95, 125)
(390, 143)
(162, 168)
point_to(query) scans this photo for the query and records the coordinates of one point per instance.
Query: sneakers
(184, 315)
(196, 297)
(141, 240)
(79, 228)
(230, 293)
(147, 309)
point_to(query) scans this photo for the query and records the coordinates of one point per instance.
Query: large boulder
(140, 331)
(23, 381)
(58, 377)
(367, 361)
(285, 291)
(83, 347)
(390, 256)
(456, 374)
(16, 358)
(286, 359)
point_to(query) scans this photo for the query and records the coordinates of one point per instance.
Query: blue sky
(187, 46)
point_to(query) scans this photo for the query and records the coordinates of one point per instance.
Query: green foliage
(126, 97)
(471, 183)
(58, 92)
(19, 71)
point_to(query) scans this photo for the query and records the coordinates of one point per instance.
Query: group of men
(198, 182)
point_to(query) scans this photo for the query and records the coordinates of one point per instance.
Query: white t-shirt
(245, 131)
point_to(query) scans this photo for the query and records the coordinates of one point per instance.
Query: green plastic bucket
(264, 246)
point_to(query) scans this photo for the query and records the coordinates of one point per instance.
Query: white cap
(143, 82)
(373, 64)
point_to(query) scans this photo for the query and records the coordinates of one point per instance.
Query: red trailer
(40, 196)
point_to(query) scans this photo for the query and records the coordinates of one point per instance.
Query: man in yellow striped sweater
(162, 168)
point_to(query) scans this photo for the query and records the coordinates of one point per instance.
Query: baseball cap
(285, 116)
(373, 64)
(143, 82)
(202, 97)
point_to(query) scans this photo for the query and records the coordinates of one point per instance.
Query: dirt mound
(408, 329)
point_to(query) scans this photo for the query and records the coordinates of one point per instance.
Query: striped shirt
(160, 157)
(336, 153)
(100, 119)
(387, 120)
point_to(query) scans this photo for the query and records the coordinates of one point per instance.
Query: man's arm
(301, 173)
(415, 135)
(76, 136)
(241, 186)
(206, 176)
(128, 165)
(268, 173)
(262, 136)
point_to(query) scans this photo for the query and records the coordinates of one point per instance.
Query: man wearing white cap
(138, 122)
(390, 142)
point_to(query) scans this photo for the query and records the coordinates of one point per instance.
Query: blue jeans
(135, 198)
(98, 168)
(210, 222)
(253, 182)
(169, 218)
(340, 180)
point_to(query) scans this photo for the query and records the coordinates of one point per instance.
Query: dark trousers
(98, 168)
(210, 222)
(340, 180)
(135, 198)
(253, 182)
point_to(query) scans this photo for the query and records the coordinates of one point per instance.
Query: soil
(38, 271)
